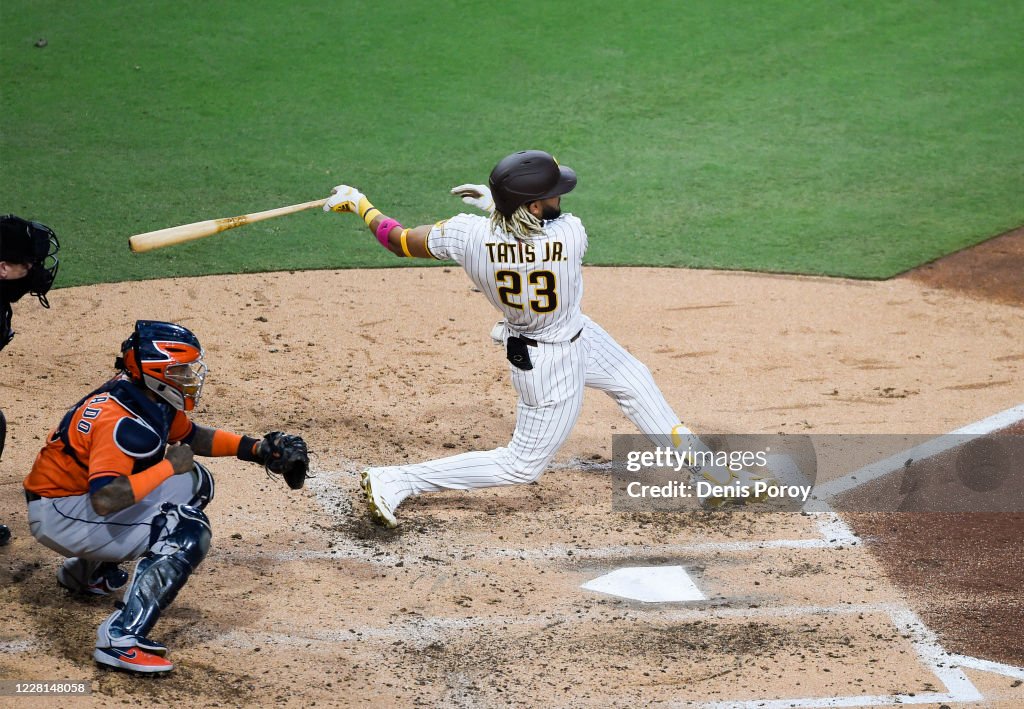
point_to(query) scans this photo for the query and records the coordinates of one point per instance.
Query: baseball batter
(526, 257)
(106, 488)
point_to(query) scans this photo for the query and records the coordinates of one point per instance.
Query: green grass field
(854, 138)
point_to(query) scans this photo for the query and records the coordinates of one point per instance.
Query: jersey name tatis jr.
(522, 252)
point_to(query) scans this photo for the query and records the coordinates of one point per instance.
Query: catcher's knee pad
(182, 531)
(204, 487)
(179, 541)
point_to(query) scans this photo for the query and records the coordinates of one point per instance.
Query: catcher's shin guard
(181, 540)
(3, 433)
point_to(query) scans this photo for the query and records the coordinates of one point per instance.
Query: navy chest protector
(142, 437)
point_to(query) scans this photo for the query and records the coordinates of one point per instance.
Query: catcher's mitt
(287, 456)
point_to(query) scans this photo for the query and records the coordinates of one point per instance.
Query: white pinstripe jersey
(536, 284)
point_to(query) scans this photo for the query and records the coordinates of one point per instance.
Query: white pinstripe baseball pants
(550, 399)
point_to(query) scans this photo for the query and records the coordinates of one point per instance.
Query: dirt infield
(476, 600)
(992, 270)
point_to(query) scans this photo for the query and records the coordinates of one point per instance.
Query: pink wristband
(384, 228)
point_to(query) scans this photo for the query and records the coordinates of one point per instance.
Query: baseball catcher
(526, 257)
(117, 481)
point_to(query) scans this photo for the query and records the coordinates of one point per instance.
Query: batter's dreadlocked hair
(521, 224)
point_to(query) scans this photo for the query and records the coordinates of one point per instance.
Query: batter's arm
(406, 242)
(389, 232)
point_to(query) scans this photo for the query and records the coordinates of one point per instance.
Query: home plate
(651, 584)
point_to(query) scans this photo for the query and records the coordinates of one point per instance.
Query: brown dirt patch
(477, 600)
(963, 573)
(993, 270)
(946, 530)
(977, 607)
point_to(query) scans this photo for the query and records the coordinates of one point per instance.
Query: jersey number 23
(543, 298)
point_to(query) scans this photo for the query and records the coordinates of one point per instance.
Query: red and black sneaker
(109, 578)
(133, 659)
(129, 652)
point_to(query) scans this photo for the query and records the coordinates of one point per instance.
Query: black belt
(31, 496)
(534, 343)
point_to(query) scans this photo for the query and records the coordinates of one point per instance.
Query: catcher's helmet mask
(527, 176)
(167, 359)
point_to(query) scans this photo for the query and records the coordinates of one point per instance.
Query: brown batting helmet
(527, 176)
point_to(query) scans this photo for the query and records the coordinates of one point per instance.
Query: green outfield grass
(851, 138)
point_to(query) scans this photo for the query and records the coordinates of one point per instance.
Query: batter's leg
(613, 370)
(622, 376)
(550, 399)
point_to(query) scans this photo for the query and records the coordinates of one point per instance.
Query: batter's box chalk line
(928, 449)
(835, 533)
(945, 666)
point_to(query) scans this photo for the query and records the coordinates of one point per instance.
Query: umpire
(28, 264)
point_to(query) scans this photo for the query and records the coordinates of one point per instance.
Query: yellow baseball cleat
(379, 510)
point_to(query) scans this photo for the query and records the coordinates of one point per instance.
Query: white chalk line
(887, 700)
(927, 646)
(415, 628)
(928, 449)
(422, 631)
(326, 493)
(945, 666)
(14, 647)
(976, 663)
(835, 533)
(834, 530)
(627, 552)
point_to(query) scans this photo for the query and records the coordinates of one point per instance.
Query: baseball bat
(197, 230)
